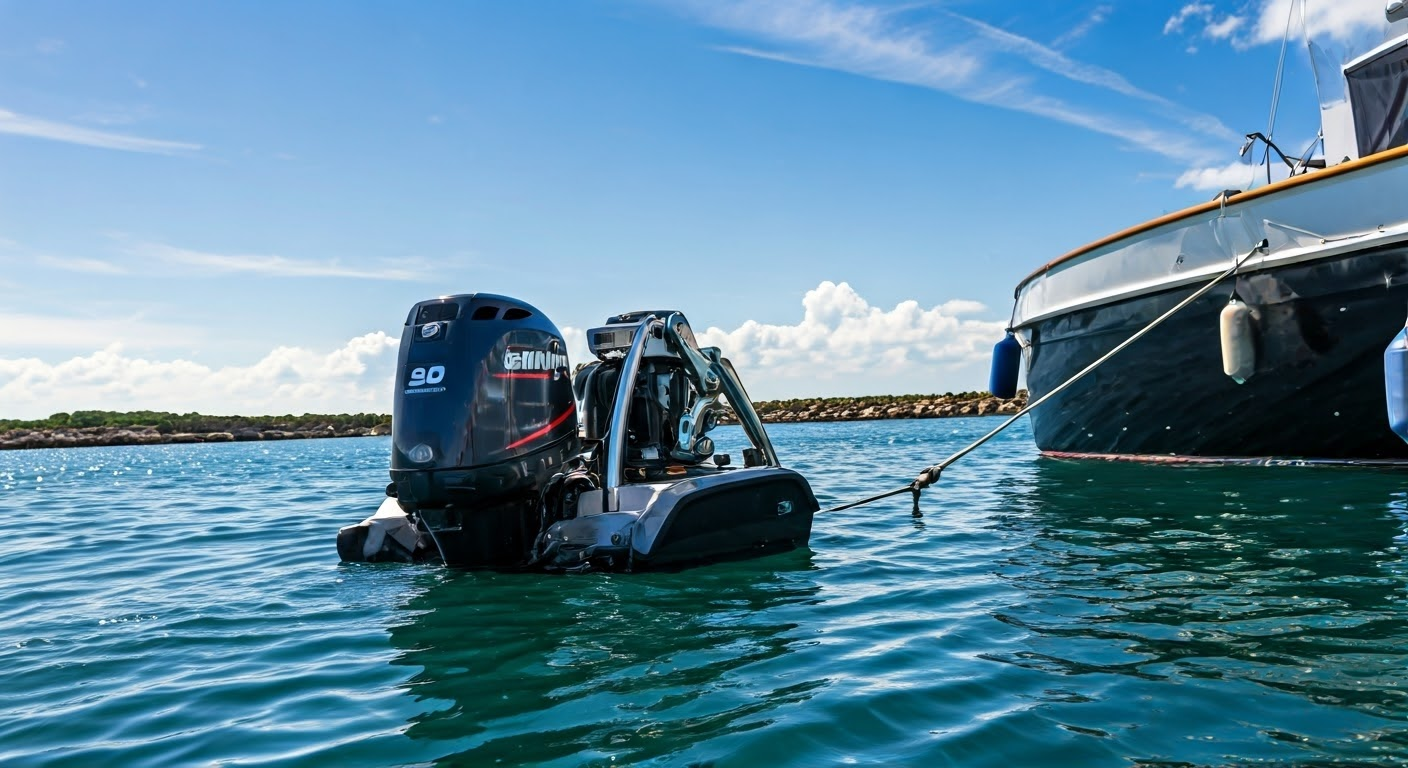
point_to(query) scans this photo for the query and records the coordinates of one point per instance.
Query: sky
(230, 208)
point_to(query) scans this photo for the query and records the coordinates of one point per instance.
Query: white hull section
(1304, 219)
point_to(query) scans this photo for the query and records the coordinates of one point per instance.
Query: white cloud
(24, 254)
(1352, 23)
(1340, 21)
(840, 333)
(1222, 30)
(1241, 173)
(354, 378)
(962, 307)
(844, 345)
(1234, 175)
(841, 345)
(23, 125)
(1190, 11)
(1095, 19)
(856, 39)
(1203, 17)
(996, 68)
(88, 266)
(268, 264)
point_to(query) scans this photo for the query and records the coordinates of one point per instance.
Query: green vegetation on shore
(166, 423)
(99, 428)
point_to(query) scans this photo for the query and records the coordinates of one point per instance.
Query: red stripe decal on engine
(521, 375)
(555, 422)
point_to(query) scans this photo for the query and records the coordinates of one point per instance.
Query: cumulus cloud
(354, 378)
(840, 333)
(1175, 22)
(1234, 175)
(1344, 22)
(842, 344)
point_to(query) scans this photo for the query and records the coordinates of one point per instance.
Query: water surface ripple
(175, 605)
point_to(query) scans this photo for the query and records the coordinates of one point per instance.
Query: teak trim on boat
(1215, 203)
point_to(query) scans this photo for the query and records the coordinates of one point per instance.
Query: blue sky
(230, 208)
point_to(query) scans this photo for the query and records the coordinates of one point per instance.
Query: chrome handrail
(620, 412)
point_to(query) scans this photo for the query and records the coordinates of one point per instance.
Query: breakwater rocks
(134, 428)
(81, 437)
(886, 407)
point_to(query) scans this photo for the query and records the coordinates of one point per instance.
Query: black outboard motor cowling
(483, 417)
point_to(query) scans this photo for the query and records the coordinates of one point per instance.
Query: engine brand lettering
(534, 360)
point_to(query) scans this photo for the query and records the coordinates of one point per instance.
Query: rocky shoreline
(807, 410)
(85, 437)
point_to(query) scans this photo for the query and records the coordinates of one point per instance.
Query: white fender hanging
(1238, 331)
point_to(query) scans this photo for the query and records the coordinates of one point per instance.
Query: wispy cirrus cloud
(938, 50)
(1096, 18)
(270, 265)
(12, 251)
(38, 128)
(80, 264)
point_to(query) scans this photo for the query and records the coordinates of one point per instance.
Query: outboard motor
(483, 418)
(488, 468)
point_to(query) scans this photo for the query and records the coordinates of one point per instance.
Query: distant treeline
(165, 422)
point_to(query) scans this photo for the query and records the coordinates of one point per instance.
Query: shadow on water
(1278, 594)
(532, 669)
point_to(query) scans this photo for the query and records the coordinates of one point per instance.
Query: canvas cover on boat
(1378, 91)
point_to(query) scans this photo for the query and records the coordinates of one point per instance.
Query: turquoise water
(181, 605)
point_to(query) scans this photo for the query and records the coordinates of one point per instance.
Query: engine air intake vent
(437, 313)
(517, 314)
(485, 312)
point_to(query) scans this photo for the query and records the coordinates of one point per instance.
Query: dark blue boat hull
(1318, 390)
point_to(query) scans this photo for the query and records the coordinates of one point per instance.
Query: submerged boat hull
(1318, 389)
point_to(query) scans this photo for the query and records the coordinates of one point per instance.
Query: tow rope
(930, 475)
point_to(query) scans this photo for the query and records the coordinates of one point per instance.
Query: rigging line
(1276, 89)
(1310, 51)
(1280, 72)
(929, 475)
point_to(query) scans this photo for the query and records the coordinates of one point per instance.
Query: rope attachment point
(931, 474)
(925, 479)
